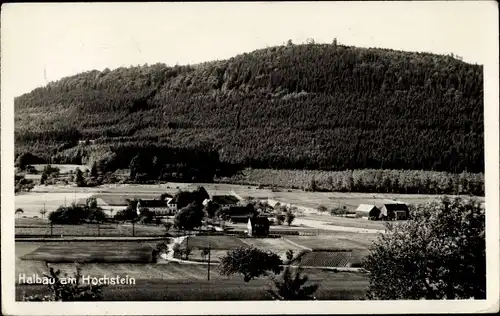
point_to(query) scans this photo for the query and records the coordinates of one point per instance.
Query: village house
(372, 211)
(158, 207)
(258, 226)
(394, 211)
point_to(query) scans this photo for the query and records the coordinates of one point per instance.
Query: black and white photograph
(250, 157)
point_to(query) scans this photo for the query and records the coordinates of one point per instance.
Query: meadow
(41, 227)
(126, 252)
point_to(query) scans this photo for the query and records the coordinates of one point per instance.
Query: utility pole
(51, 226)
(187, 245)
(209, 250)
(133, 228)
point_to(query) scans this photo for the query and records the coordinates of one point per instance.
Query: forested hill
(312, 106)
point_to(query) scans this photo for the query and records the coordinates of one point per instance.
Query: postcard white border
(491, 304)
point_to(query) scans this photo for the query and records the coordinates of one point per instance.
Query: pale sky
(45, 42)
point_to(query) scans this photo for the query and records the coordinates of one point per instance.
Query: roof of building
(396, 207)
(225, 199)
(152, 203)
(259, 220)
(365, 208)
(165, 196)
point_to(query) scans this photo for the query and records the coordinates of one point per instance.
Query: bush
(251, 262)
(439, 253)
(67, 291)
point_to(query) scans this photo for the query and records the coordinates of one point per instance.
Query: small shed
(372, 211)
(258, 226)
(394, 211)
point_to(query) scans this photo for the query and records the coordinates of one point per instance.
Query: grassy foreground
(345, 286)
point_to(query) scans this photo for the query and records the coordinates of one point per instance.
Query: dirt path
(322, 225)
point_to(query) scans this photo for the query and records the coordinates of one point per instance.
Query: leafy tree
(289, 217)
(251, 262)
(22, 161)
(94, 173)
(43, 178)
(128, 214)
(42, 212)
(201, 194)
(22, 184)
(314, 185)
(80, 182)
(289, 255)
(204, 253)
(146, 216)
(60, 290)
(322, 209)
(167, 226)
(25, 159)
(19, 211)
(292, 286)
(211, 208)
(438, 254)
(135, 166)
(279, 218)
(189, 217)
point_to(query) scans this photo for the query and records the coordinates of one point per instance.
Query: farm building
(258, 226)
(159, 207)
(238, 214)
(372, 211)
(394, 211)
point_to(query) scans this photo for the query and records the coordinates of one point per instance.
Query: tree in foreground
(62, 290)
(439, 254)
(292, 286)
(251, 262)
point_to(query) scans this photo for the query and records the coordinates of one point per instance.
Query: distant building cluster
(390, 211)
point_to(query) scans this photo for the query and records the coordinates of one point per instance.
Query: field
(336, 241)
(93, 252)
(325, 259)
(40, 227)
(216, 242)
(63, 168)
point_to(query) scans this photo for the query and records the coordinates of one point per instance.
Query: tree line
(365, 180)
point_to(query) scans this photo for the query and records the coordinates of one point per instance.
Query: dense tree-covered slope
(313, 106)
